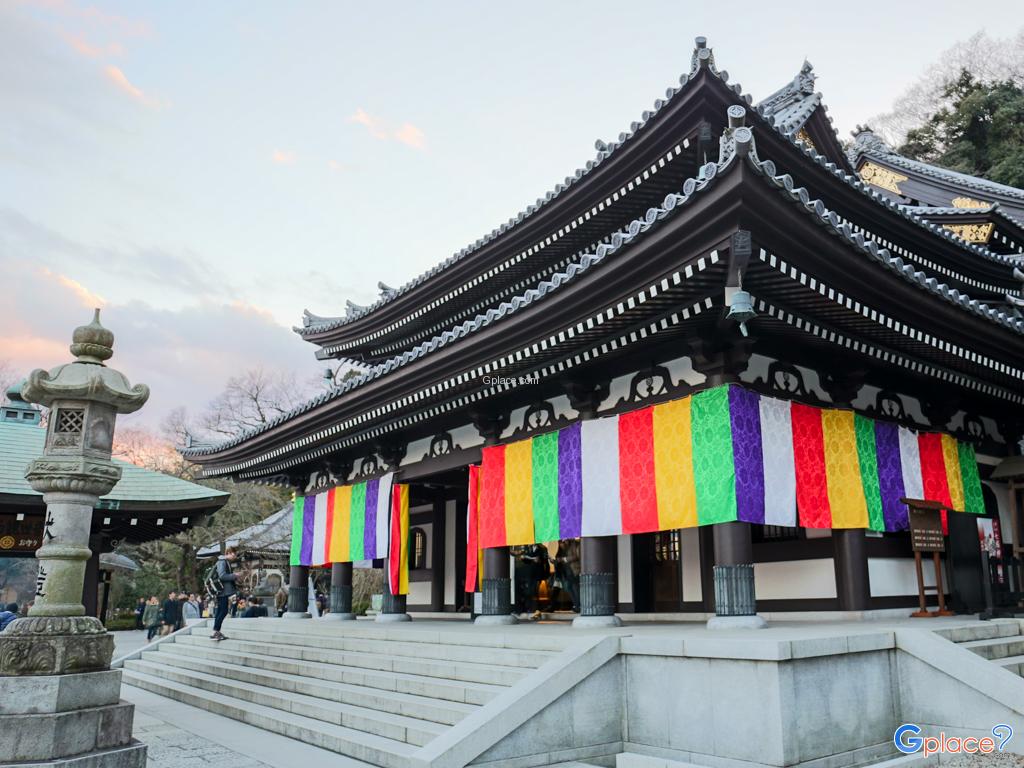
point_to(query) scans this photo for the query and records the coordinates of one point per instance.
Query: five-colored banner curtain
(723, 454)
(345, 524)
(398, 554)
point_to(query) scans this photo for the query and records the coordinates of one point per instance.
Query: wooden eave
(740, 199)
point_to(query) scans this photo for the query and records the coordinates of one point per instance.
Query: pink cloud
(407, 134)
(83, 47)
(283, 157)
(123, 84)
(92, 16)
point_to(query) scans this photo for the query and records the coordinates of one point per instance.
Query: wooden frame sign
(926, 536)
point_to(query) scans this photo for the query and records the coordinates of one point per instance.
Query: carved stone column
(496, 605)
(57, 640)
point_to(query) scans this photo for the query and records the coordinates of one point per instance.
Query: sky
(206, 171)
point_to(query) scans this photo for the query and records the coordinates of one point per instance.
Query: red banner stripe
(933, 468)
(492, 498)
(638, 493)
(809, 465)
(472, 539)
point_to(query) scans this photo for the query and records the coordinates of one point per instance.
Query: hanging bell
(741, 309)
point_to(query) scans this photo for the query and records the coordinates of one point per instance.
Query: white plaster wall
(689, 550)
(890, 576)
(625, 578)
(795, 579)
(449, 554)
(419, 593)
(1002, 494)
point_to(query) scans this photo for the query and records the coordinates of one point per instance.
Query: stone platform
(821, 694)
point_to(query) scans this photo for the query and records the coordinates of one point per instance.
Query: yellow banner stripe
(951, 458)
(338, 549)
(519, 492)
(673, 465)
(842, 468)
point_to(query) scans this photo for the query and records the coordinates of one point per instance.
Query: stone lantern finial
(92, 343)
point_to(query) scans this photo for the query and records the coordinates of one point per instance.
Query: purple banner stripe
(890, 476)
(308, 512)
(745, 415)
(570, 482)
(370, 521)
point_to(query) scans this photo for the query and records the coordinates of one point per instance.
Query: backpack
(212, 583)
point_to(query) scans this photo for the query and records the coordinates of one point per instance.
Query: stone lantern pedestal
(59, 700)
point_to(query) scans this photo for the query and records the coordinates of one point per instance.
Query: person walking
(140, 608)
(151, 617)
(227, 578)
(7, 615)
(171, 613)
(190, 609)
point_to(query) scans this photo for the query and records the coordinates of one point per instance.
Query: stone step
(395, 727)
(448, 690)
(376, 750)
(420, 707)
(983, 630)
(473, 672)
(996, 647)
(507, 657)
(1014, 664)
(406, 633)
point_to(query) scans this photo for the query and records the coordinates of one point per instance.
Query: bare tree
(251, 400)
(986, 58)
(7, 379)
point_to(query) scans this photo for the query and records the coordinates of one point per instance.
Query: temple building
(719, 354)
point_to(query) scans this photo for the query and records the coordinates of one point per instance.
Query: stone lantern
(56, 662)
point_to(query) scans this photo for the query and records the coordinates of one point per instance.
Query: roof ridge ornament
(866, 140)
(737, 139)
(703, 57)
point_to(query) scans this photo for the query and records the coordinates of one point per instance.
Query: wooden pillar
(735, 600)
(298, 593)
(497, 586)
(463, 599)
(341, 593)
(851, 564)
(437, 537)
(599, 555)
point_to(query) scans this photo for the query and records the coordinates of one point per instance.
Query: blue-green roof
(21, 443)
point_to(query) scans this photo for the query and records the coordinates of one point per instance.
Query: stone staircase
(1000, 641)
(373, 693)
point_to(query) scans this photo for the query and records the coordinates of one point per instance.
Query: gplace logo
(908, 740)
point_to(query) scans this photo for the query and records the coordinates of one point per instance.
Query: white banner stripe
(319, 528)
(779, 471)
(383, 516)
(910, 459)
(602, 514)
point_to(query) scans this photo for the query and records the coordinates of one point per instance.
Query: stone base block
(48, 694)
(55, 645)
(485, 620)
(340, 617)
(43, 737)
(386, 618)
(737, 622)
(596, 622)
(297, 615)
(131, 756)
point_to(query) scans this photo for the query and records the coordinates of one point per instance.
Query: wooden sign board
(926, 527)
(20, 537)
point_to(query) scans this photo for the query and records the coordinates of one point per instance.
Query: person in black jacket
(227, 579)
(171, 614)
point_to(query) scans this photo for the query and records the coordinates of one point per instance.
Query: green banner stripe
(544, 456)
(296, 553)
(867, 458)
(714, 472)
(357, 521)
(974, 501)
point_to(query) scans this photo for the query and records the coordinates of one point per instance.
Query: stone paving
(171, 747)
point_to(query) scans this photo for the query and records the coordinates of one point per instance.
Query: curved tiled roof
(738, 143)
(702, 57)
(866, 142)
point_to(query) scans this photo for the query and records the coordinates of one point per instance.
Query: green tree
(979, 130)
